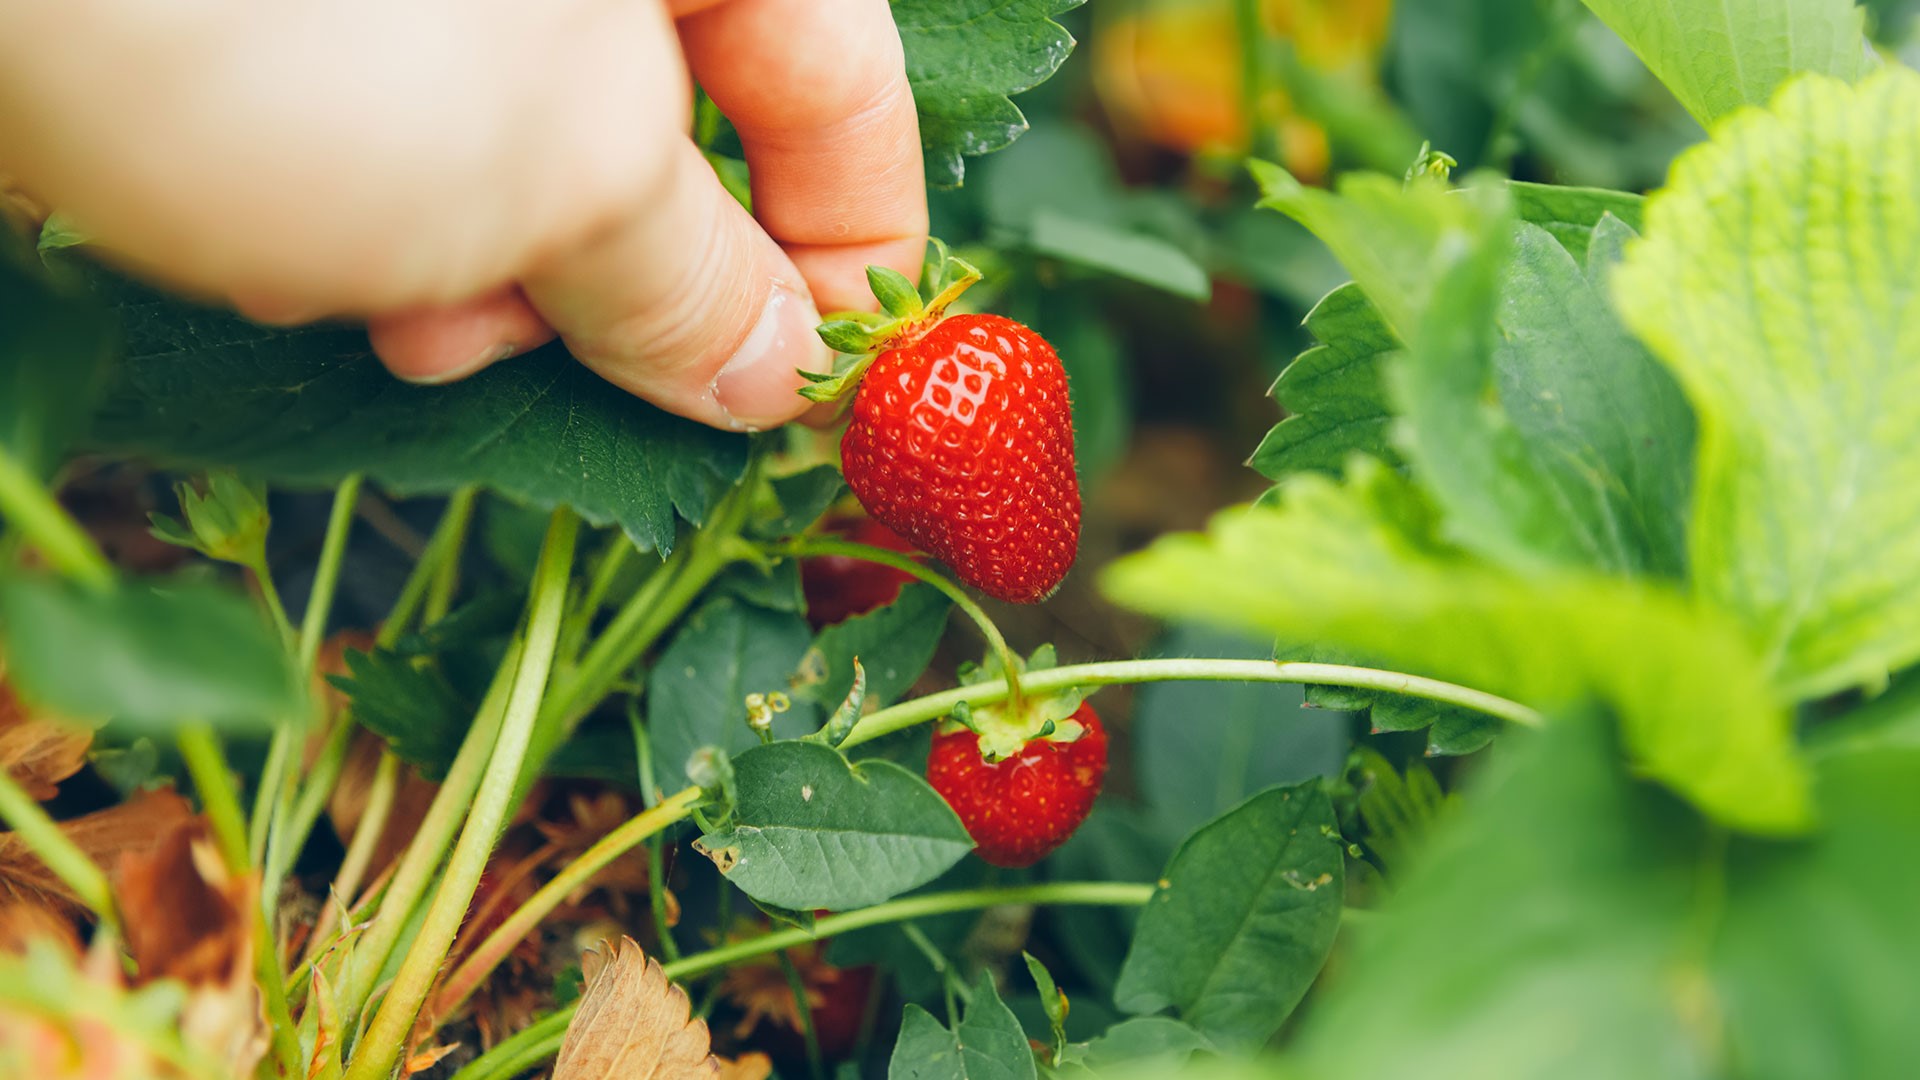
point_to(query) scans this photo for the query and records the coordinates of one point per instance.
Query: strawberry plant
(357, 729)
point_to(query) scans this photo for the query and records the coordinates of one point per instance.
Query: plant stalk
(489, 953)
(542, 1039)
(908, 713)
(385, 1040)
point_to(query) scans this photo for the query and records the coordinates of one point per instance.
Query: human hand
(473, 176)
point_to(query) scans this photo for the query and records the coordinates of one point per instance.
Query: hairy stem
(489, 953)
(366, 838)
(908, 713)
(825, 545)
(386, 1038)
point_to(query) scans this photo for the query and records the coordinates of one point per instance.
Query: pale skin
(471, 177)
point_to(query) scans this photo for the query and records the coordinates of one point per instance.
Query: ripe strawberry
(1022, 807)
(962, 436)
(838, 587)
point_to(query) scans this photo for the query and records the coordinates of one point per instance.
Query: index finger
(818, 92)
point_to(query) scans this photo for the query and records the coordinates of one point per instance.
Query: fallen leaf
(753, 1066)
(632, 1023)
(37, 751)
(426, 1059)
(22, 922)
(189, 919)
(132, 827)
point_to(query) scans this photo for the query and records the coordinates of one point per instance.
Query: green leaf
(55, 348)
(1570, 213)
(147, 655)
(894, 643)
(1718, 55)
(1396, 809)
(988, 1045)
(1334, 392)
(1774, 280)
(306, 407)
(813, 831)
(415, 709)
(1630, 939)
(697, 690)
(964, 59)
(1357, 566)
(803, 497)
(1201, 748)
(1451, 729)
(1123, 253)
(1143, 1045)
(1242, 919)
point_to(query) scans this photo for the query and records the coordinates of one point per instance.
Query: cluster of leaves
(1646, 467)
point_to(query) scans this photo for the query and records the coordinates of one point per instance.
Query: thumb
(685, 301)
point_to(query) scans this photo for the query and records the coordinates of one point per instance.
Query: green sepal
(904, 318)
(896, 294)
(841, 723)
(228, 522)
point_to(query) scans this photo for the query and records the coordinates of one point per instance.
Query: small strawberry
(962, 435)
(1022, 806)
(838, 587)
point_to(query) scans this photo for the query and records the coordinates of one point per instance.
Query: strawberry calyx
(906, 314)
(1006, 727)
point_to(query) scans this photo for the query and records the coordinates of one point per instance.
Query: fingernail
(491, 356)
(757, 387)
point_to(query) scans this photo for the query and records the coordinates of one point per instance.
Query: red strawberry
(962, 442)
(1021, 808)
(962, 437)
(838, 587)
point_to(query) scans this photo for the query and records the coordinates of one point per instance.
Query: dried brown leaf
(22, 922)
(36, 750)
(633, 1024)
(188, 918)
(134, 826)
(753, 1066)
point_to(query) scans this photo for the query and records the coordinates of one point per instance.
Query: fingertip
(759, 385)
(438, 345)
(838, 274)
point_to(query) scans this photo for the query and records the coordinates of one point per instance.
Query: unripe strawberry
(1020, 808)
(838, 587)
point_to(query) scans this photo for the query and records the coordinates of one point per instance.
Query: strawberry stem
(933, 706)
(803, 546)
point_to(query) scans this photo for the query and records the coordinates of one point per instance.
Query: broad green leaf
(1608, 426)
(1201, 748)
(1570, 213)
(1334, 393)
(147, 655)
(1357, 566)
(201, 388)
(893, 643)
(1630, 939)
(1584, 459)
(55, 346)
(1123, 253)
(1718, 55)
(989, 1043)
(965, 58)
(813, 831)
(1242, 920)
(1774, 280)
(697, 690)
(803, 497)
(1396, 808)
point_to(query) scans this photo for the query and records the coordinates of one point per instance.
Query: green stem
(366, 838)
(489, 953)
(57, 850)
(429, 844)
(274, 806)
(207, 765)
(656, 848)
(542, 1040)
(825, 545)
(444, 546)
(933, 706)
(270, 595)
(31, 508)
(381, 1046)
(1253, 77)
(798, 988)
